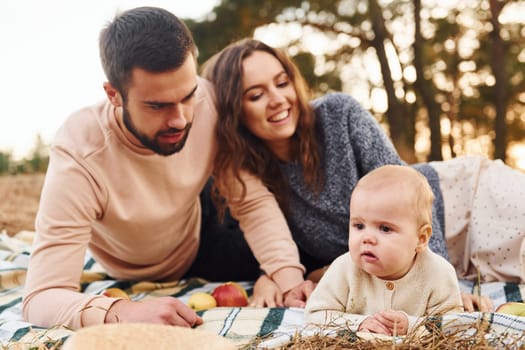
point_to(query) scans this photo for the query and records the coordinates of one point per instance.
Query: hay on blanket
(432, 338)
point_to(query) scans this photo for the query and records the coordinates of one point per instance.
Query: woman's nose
(276, 98)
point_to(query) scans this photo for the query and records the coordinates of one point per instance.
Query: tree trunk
(500, 86)
(425, 89)
(400, 121)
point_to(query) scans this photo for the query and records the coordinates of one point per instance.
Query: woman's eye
(384, 228)
(254, 97)
(283, 84)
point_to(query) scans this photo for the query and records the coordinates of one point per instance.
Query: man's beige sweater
(139, 214)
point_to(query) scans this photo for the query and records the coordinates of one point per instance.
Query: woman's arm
(267, 233)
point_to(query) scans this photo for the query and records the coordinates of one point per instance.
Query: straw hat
(129, 336)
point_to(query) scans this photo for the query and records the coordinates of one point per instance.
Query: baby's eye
(359, 226)
(384, 228)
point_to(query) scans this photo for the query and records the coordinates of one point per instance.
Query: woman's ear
(423, 236)
(113, 95)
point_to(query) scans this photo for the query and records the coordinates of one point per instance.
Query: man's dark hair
(149, 38)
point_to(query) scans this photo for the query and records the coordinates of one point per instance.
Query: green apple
(201, 301)
(512, 308)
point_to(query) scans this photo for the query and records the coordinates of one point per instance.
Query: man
(124, 180)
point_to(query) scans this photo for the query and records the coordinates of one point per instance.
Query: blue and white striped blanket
(275, 326)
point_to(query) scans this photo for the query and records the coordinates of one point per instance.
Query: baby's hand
(266, 293)
(298, 295)
(395, 321)
(371, 324)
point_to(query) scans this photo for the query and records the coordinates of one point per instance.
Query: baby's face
(383, 232)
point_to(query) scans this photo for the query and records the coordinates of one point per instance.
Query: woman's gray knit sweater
(352, 143)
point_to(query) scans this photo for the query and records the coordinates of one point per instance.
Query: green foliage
(323, 83)
(39, 159)
(233, 20)
(36, 164)
(5, 159)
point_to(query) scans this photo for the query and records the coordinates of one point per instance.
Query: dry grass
(433, 338)
(19, 198)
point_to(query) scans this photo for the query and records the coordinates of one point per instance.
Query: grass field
(19, 197)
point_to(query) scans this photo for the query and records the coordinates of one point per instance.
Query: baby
(388, 273)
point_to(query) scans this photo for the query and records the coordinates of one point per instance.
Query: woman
(309, 154)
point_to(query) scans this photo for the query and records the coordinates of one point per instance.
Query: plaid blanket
(266, 327)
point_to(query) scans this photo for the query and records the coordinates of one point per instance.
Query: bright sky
(49, 63)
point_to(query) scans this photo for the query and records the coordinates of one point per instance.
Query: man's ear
(113, 95)
(423, 236)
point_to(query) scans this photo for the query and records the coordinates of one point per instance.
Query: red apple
(230, 294)
(115, 293)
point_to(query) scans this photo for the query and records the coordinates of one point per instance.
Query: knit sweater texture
(352, 144)
(348, 294)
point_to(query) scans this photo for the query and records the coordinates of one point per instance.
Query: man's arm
(68, 206)
(71, 201)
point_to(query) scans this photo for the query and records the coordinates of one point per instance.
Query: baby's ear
(423, 237)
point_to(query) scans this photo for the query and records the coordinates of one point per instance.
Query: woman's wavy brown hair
(238, 148)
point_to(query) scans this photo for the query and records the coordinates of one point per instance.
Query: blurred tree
(402, 128)
(5, 162)
(492, 103)
(19, 167)
(232, 20)
(39, 157)
(425, 88)
(460, 67)
(500, 76)
(442, 62)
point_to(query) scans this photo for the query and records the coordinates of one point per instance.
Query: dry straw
(434, 336)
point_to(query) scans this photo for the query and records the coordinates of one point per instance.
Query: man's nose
(176, 118)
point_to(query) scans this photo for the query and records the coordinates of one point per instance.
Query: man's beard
(164, 149)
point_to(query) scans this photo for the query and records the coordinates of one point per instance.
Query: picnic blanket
(264, 327)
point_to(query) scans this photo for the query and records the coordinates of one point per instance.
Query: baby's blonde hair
(405, 178)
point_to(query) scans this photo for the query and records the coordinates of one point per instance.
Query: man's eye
(156, 107)
(384, 228)
(189, 98)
